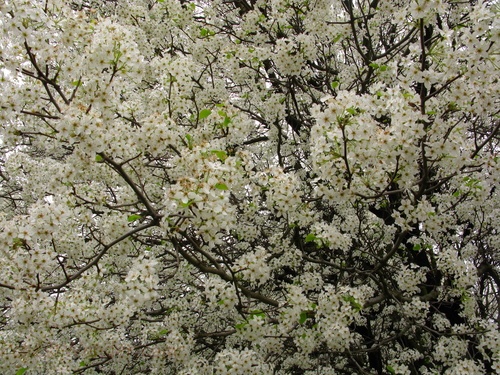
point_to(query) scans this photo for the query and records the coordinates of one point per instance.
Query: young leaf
(221, 186)
(187, 204)
(221, 155)
(311, 237)
(303, 317)
(226, 122)
(204, 113)
(189, 138)
(354, 304)
(133, 218)
(240, 326)
(258, 313)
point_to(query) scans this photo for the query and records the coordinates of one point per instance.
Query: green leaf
(240, 326)
(335, 84)
(221, 186)
(354, 304)
(76, 83)
(311, 237)
(205, 32)
(417, 247)
(204, 113)
(190, 141)
(133, 218)
(221, 155)
(257, 313)
(83, 364)
(303, 317)
(99, 158)
(351, 110)
(226, 122)
(383, 68)
(21, 371)
(390, 369)
(373, 65)
(187, 204)
(472, 182)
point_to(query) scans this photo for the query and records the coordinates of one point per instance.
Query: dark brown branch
(140, 195)
(223, 275)
(489, 138)
(96, 259)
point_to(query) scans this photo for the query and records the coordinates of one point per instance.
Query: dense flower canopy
(249, 187)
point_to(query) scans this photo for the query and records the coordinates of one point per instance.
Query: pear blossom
(249, 187)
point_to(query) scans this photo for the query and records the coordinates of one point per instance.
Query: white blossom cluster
(240, 362)
(254, 267)
(249, 187)
(408, 280)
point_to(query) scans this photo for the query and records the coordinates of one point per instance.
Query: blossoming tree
(249, 187)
